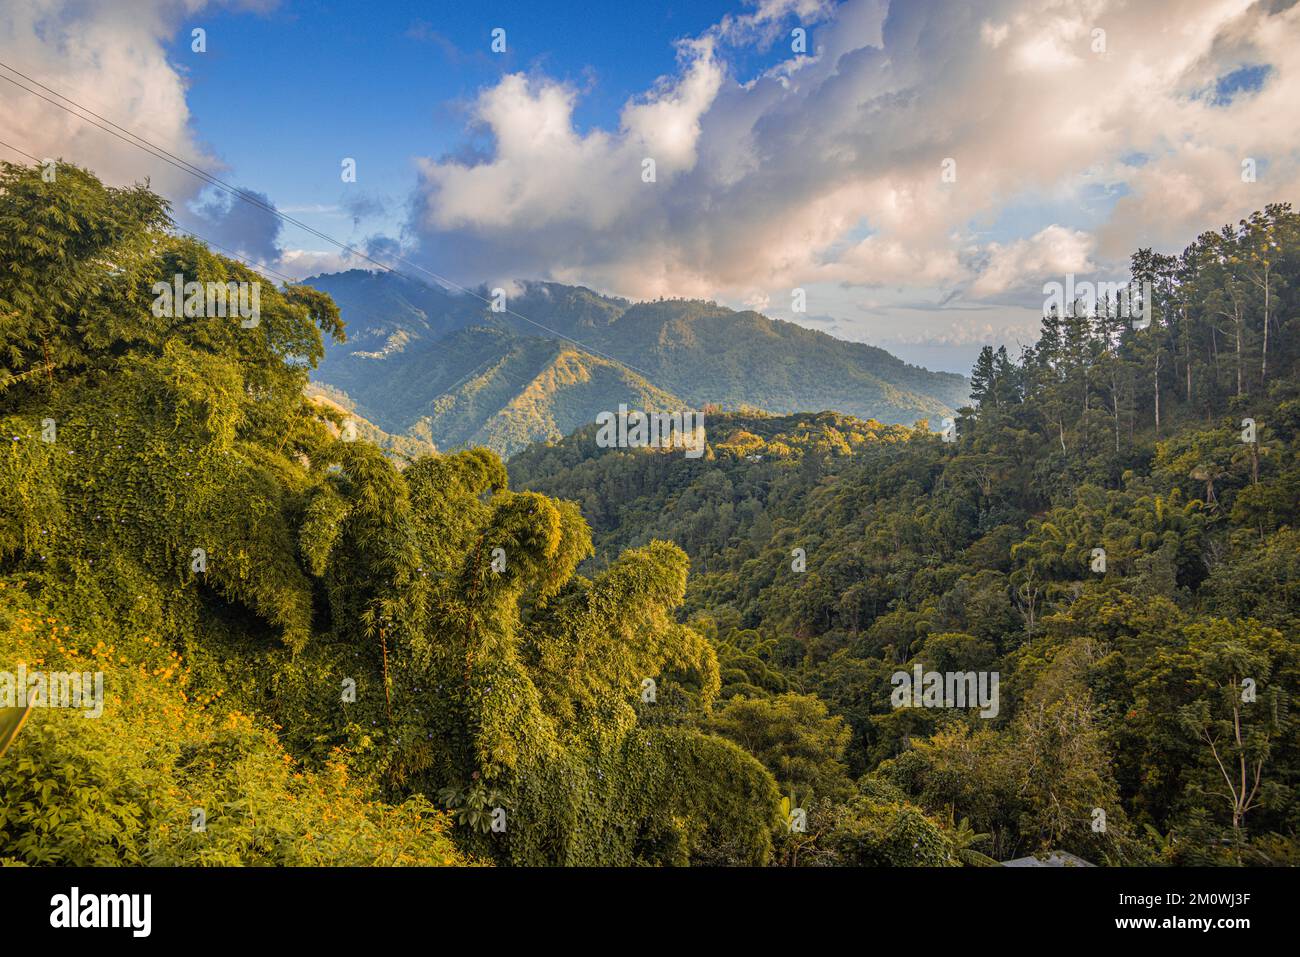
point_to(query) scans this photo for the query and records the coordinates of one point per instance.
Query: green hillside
(494, 389)
(336, 405)
(503, 409)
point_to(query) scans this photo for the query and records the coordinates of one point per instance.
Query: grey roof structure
(1052, 859)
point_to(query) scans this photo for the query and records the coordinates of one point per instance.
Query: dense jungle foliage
(334, 659)
(342, 654)
(1122, 689)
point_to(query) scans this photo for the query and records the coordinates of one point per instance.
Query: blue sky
(282, 97)
(917, 170)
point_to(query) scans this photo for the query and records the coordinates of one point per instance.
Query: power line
(19, 151)
(248, 261)
(187, 167)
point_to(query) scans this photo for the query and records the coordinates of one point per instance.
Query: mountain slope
(445, 364)
(402, 448)
(538, 389)
(709, 353)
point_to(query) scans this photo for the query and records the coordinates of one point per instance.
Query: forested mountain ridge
(501, 391)
(1114, 532)
(415, 346)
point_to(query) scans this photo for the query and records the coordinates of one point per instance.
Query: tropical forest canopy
(347, 652)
